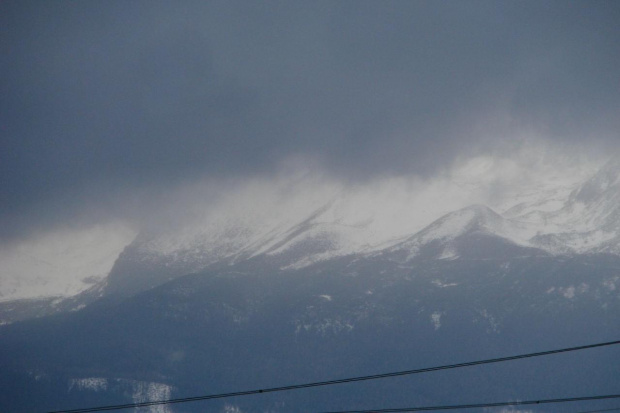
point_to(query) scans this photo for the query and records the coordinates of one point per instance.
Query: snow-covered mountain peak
(592, 206)
(444, 236)
(576, 218)
(604, 183)
(466, 220)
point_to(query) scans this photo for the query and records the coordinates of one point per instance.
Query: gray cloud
(107, 105)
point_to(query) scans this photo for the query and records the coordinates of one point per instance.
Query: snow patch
(78, 307)
(569, 292)
(448, 254)
(441, 284)
(140, 391)
(324, 326)
(91, 383)
(490, 320)
(148, 391)
(572, 291)
(436, 319)
(611, 284)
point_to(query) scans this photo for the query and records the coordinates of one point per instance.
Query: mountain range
(223, 305)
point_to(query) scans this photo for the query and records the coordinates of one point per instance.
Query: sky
(112, 111)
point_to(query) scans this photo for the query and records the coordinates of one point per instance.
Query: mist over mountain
(207, 197)
(233, 304)
(570, 226)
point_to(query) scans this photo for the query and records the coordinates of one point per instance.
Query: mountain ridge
(583, 221)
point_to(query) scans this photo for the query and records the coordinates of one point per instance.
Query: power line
(603, 410)
(332, 382)
(481, 405)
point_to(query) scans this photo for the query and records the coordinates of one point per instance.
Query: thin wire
(601, 411)
(332, 382)
(481, 405)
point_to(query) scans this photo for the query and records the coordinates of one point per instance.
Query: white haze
(61, 263)
(66, 261)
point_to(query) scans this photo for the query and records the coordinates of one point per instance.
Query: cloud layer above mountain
(109, 108)
(212, 220)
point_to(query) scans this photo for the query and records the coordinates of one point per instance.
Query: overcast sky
(107, 106)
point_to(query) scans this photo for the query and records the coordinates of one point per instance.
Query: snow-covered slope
(569, 218)
(290, 241)
(587, 222)
(584, 220)
(444, 233)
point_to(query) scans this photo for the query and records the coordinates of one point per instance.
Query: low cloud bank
(68, 259)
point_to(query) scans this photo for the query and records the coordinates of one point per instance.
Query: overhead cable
(333, 382)
(601, 411)
(483, 405)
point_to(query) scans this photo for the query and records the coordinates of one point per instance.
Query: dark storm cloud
(105, 99)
